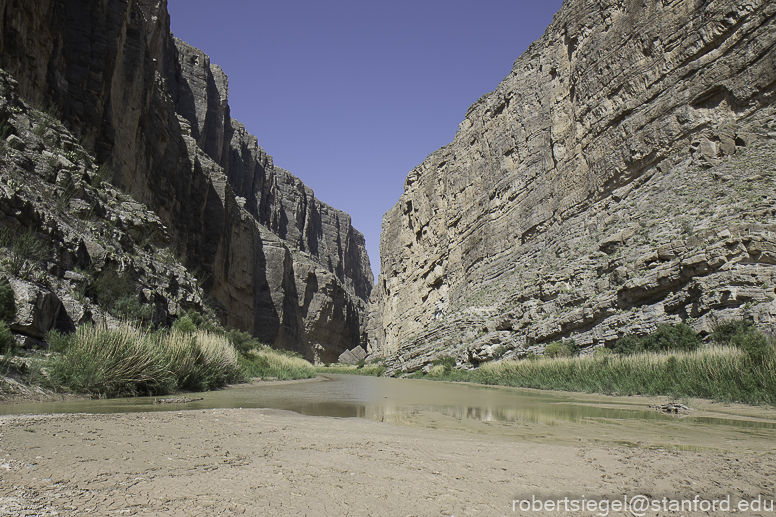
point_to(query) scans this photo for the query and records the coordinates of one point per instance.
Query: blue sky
(351, 95)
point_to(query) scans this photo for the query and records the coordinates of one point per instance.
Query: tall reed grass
(132, 361)
(269, 363)
(111, 362)
(723, 373)
(201, 360)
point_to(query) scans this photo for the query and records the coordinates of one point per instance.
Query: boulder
(352, 356)
(37, 309)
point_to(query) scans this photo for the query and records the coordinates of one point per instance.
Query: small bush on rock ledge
(7, 342)
(680, 337)
(7, 302)
(562, 349)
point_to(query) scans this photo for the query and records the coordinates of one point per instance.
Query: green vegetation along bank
(132, 360)
(375, 369)
(738, 365)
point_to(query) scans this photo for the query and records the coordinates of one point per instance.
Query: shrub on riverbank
(744, 371)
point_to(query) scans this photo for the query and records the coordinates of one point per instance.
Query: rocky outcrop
(73, 248)
(156, 110)
(617, 179)
(36, 309)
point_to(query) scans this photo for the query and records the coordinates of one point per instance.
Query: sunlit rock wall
(500, 236)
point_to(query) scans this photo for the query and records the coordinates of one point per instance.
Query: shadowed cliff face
(276, 198)
(281, 264)
(536, 222)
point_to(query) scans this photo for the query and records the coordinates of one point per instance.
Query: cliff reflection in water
(550, 414)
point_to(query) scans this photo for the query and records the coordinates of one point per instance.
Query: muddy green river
(511, 413)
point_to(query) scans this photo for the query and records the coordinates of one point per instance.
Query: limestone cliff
(620, 177)
(281, 264)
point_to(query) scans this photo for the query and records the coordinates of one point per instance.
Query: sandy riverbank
(271, 462)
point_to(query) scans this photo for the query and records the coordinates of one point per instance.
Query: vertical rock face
(282, 265)
(276, 198)
(528, 226)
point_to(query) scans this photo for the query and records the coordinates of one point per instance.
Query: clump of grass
(200, 360)
(111, 362)
(714, 372)
(57, 341)
(65, 195)
(132, 361)
(104, 173)
(266, 362)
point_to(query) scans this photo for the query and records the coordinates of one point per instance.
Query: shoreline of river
(34, 395)
(23, 394)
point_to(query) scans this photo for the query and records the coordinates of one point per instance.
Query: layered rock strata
(618, 178)
(281, 264)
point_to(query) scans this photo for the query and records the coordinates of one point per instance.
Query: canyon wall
(278, 262)
(618, 178)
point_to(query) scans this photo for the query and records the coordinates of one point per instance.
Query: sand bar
(273, 462)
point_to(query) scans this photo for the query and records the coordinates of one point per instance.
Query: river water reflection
(508, 412)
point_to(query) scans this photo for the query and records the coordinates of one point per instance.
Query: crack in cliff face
(157, 111)
(615, 97)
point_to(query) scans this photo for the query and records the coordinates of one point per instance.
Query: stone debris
(671, 407)
(176, 400)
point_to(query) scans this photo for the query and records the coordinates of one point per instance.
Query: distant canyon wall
(281, 264)
(497, 231)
